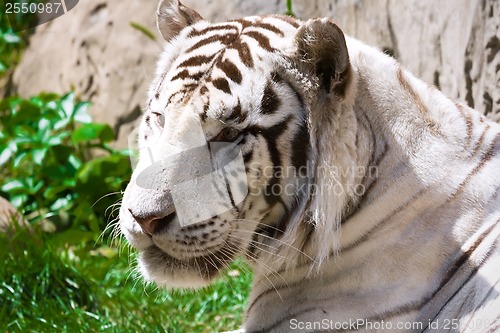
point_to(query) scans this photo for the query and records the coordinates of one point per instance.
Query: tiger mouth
(206, 267)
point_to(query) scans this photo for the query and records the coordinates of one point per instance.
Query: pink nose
(151, 224)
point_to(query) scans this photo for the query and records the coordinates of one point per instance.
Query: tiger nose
(151, 224)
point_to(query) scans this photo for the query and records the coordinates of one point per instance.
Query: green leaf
(54, 141)
(128, 152)
(8, 152)
(5, 155)
(52, 192)
(19, 200)
(39, 155)
(57, 139)
(81, 113)
(29, 182)
(144, 30)
(61, 203)
(74, 161)
(37, 187)
(20, 158)
(11, 38)
(24, 141)
(25, 131)
(13, 185)
(13, 102)
(68, 104)
(69, 182)
(95, 176)
(62, 123)
(89, 132)
(3, 68)
(43, 131)
(52, 105)
(52, 116)
(44, 124)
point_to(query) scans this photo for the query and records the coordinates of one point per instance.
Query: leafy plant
(13, 36)
(47, 144)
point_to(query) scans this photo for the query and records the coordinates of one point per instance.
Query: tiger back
(364, 199)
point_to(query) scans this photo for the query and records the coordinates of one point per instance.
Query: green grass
(45, 287)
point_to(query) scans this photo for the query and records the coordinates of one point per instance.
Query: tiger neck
(376, 133)
(348, 149)
(363, 145)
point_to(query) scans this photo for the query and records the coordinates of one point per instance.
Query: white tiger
(373, 200)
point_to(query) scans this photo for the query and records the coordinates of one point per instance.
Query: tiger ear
(173, 16)
(322, 51)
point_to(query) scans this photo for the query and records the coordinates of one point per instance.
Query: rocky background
(95, 50)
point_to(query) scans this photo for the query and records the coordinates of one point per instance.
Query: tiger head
(230, 142)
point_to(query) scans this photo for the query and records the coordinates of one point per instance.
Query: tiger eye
(159, 119)
(230, 134)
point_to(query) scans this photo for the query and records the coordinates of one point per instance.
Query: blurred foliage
(14, 36)
(47, 144)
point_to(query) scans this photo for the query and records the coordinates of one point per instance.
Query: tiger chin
(357, 192)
